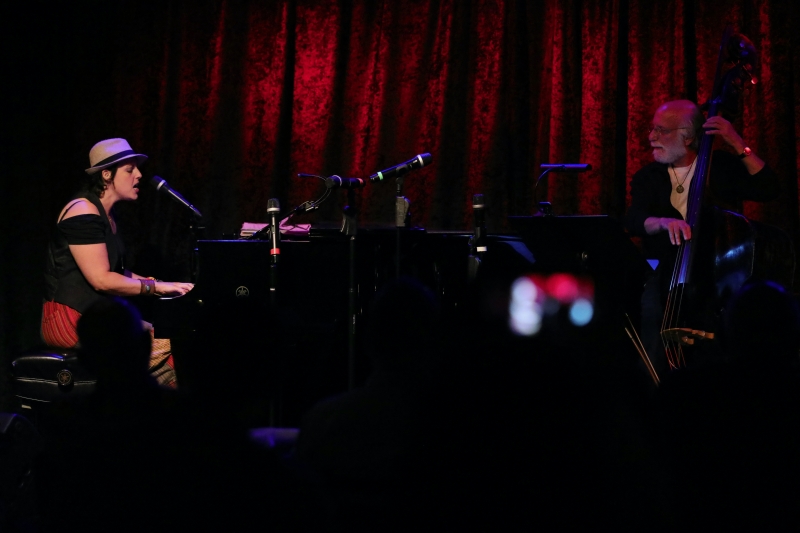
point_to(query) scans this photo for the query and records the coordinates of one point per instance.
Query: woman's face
(126, 181)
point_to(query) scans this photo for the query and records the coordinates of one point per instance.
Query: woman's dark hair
(96, 184)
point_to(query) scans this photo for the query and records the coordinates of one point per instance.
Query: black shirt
(729, 183)
(64, 281)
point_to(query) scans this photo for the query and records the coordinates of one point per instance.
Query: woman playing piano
(86, 257)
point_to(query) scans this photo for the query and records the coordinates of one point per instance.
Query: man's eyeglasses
(663, 131)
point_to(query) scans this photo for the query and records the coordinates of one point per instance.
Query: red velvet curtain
(233, 99)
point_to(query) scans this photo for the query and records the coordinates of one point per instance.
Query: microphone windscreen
(477, 201)
(427, 159)
(158, 182)
(273, 205)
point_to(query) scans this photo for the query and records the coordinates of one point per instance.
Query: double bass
(727, 249)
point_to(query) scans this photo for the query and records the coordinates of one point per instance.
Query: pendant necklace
(679, 189)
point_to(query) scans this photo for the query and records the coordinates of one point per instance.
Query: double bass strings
(673, 349)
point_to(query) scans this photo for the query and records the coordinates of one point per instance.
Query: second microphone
(338, 182)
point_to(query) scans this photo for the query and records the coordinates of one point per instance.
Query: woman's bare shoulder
(79, 206)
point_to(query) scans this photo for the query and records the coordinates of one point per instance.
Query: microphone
(566, 167)
(161, 185)
(337, 182)
(403, 168)
(477, 243)
(273, 210)
(480, 223)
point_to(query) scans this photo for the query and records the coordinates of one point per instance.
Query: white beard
(670, 154)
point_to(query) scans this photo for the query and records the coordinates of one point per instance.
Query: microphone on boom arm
(403, 168)
(161, 185)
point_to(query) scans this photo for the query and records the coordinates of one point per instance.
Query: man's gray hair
(695, 128)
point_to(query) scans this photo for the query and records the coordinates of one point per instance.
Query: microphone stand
(477, 243)
(350, 228)
(274, 209)
(197, 230)
(401, 218)
(545, 208)
(276, 403)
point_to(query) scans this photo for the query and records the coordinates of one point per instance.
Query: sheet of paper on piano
(249, 228)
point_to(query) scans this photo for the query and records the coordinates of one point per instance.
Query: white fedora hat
(109, 152)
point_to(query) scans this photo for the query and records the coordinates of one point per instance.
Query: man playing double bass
(659, 193)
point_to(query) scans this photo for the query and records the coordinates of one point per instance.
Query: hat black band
(115, 157)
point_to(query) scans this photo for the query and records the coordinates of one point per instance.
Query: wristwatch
(747, 151)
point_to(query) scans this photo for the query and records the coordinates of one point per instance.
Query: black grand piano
(229, 341)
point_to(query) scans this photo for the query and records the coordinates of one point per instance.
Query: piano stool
(40, 377)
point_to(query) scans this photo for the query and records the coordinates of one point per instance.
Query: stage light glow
(523, 290)
(563, 287)
(581, 312)
(524, 311)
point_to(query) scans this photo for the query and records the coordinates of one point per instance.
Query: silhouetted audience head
(762, 325)
(113, 342)
(402, 326)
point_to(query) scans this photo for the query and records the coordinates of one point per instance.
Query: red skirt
(59, 325)
(60, 330)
